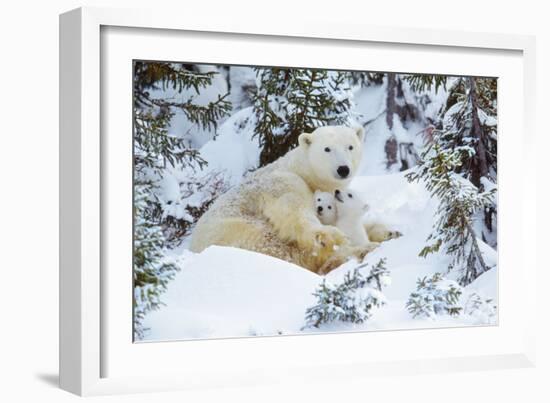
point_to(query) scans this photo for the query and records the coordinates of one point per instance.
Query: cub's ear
(360, 132)
(305, 139)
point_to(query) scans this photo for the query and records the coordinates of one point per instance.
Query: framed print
(237, 198)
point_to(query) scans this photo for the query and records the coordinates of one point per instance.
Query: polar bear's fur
(272, 210)
(376, 232)
(350, 209)
(324, 204)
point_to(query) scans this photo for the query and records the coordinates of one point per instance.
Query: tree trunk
(480, 167)
(391, 144)
(391, 151)
(471, 270)
(390, 100)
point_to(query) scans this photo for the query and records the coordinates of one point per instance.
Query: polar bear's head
(325, 207)
(333, 153)
(349, 203)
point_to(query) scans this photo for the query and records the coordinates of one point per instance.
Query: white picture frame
(85, 346)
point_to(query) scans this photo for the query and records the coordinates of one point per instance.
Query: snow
(242, 80)
(233, 152)
(225, 292)
(486, 119)
(371, 106)
(180, 126)
(228, 292)
(171, 199)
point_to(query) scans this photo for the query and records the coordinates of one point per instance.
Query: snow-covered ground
(228, 292)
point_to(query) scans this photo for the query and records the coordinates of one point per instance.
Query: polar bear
(272, 210)
(327, 212)
(350, 209)
(325, 207)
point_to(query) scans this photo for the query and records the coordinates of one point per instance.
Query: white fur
(325, 207)
(350, 209)
(271, 211)
(329, 148)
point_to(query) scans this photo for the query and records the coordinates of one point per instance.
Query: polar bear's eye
(330, 207)
(318, 200)
(350, 196)
(350, 148)
(327, 150)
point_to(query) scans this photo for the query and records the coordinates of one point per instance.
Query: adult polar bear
(272, 210)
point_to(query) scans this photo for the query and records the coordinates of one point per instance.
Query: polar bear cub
(344, 210)
(325, 207)
(350, 208)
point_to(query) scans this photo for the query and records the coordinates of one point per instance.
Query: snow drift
(228, 292)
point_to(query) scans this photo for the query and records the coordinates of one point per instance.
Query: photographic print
(281, 201)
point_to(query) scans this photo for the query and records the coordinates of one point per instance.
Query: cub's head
(333, 153)
(349, 203)
(325, 207)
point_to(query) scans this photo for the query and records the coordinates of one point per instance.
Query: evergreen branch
(459, 200)
(423, 82)
(353, 300)
(205, 116)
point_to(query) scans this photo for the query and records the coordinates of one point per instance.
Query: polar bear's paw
(329, 238)
(380, 233)
(344, 254)
(362, 251)
(394, 234)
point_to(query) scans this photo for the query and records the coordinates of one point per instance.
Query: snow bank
(229, 292)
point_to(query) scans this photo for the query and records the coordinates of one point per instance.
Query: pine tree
(460, 168)
(351, 301)
(293, 101)
(423, 82)
(435, 296)
(459, 201)
(151, 272)
(469, 123)
(154, 151)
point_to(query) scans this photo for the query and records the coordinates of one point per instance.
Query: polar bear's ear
(360, 132)
(305, 139)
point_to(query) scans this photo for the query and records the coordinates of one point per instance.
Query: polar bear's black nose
(319, 208)
(343, 171)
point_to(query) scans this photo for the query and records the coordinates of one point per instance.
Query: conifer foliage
(441, 129)
(459, 201)
(152, 271)
(459, 168)
(351, 301)
(155, 150)
(435, 296)
(289, 102)
(482, 310)
(471, 125)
